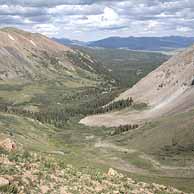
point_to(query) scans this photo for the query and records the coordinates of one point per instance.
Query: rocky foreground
(23, 172)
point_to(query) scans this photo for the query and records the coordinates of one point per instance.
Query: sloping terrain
(163, 142)
(43, 97)
(27, 172)
(31, 56)
(24, 55)
(126, 66)
(166, 90)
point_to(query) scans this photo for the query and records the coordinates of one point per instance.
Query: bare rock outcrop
(8, 145)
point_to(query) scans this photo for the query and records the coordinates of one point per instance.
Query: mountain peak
(14, 30)
(25, 55)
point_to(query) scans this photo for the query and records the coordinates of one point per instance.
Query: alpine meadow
(96, 97)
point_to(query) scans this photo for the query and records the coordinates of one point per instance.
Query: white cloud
(152, 24)
(110, 14)
(46, 29)
(108, 19)
(183, 29)
(94, 19)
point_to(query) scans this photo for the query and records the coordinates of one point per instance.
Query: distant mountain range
(66, 41)
(168, 43)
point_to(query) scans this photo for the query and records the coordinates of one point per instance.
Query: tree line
(123, 128)
(117, 105)
(59, 117)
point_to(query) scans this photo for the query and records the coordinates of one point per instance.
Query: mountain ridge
(33, 56)
(165, 43)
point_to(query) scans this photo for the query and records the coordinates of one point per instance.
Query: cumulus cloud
(95, 19)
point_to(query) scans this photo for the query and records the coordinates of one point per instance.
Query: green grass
(184, 184)
(137, 161)
(78, 150)
(168, 139)
(31, 134)
(75, 144)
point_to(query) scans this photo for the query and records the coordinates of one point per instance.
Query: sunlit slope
(32, 56)
(166, 90)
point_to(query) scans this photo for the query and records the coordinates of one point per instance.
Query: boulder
(8, 145)
(112, 172)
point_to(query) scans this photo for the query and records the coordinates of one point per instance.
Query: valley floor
(160, 151)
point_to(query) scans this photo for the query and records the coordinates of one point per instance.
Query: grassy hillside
(29, 172)
(58, 133)
(42, 115)
(168, 139)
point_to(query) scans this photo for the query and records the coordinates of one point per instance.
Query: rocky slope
(171, 79)
(24, 172)
(166, 90)
(32, 56)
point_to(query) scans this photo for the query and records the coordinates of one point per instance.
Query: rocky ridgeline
(22, 172)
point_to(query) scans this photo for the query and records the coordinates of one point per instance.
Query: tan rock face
(170, 79)
(8, 145)
(166, 90)
(23, 55)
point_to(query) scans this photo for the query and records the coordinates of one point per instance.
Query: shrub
(9, 189)
(117, 105)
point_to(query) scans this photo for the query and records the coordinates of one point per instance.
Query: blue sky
(96, 19)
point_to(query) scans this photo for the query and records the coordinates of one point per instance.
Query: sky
(88, 20)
